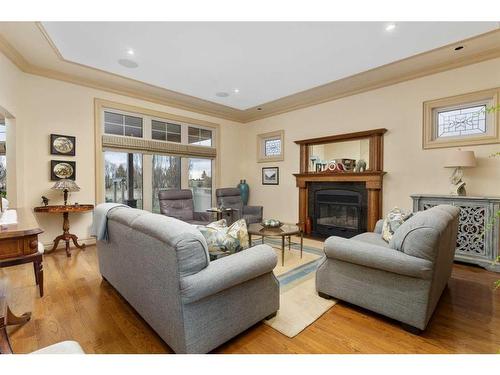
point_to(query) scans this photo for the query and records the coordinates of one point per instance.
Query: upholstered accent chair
(402, 279)
(231, 198)
(161, 266)
(179, 204)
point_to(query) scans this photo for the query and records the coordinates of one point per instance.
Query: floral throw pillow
(393, 221)
(223, 239)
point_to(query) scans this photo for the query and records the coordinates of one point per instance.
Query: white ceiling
(265, 61)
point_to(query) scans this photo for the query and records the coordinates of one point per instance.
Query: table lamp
(459, 159)
(66, 186)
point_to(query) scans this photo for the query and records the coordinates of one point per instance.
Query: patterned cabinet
(478, 232)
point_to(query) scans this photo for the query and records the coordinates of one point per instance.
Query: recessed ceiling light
(236, 91)
(390, 27)
(131, 52)
(459, 48)
(128, 63)
(222, 94)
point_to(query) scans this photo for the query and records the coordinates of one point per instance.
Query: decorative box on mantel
(478, 232)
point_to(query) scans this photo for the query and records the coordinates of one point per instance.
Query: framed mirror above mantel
(344, 160)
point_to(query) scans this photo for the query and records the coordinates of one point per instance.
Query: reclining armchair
(231, 198)
(402, 279)
(179, 204)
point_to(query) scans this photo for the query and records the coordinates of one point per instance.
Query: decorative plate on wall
(62, 169)
(62, 145)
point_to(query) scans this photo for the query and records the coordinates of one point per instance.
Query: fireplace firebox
(337, 208)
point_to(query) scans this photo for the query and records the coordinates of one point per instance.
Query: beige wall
(42, 106)
(410, 169)
(51, 106)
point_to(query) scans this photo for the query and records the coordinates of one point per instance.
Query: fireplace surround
(362, 191)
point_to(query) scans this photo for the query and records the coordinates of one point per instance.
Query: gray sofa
(231, 198)
(161, 266)
(402, 279)
(179, 204)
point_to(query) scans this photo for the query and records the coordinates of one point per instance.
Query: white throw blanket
(100, 220)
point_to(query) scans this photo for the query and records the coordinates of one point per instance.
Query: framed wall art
(60, 169)
(270, 176)
(62, 145)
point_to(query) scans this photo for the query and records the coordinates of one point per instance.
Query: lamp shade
(459, 158)
(66, 184)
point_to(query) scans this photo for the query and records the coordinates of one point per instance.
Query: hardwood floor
(79, 306)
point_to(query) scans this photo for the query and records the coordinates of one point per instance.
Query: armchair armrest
(378, 226)
(253, 210)
(202, 216)
(227, 272)
(378, 257)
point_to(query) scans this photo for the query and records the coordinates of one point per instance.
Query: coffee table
(287, 230)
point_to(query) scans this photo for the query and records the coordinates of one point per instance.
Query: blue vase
(244, 191)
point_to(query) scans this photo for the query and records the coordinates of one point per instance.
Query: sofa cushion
(190, 246)
(393, 221)
(220, 237)
(419, 235)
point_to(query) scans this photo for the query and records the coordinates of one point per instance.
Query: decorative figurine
(360, 166)
(45, 200)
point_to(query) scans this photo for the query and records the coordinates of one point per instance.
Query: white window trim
(430, 126)
(261, 151)
(101, 105)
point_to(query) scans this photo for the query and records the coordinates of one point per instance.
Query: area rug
(300, 305)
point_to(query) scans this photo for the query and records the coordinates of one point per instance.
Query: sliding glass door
(200, 182)
(166, 175)
(123, 178)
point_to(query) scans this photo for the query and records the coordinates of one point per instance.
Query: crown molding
(17, 37)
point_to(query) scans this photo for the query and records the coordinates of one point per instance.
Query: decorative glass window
(119, 124)
(462, 120)
(270, 146)
(165, 131)
(199, 136)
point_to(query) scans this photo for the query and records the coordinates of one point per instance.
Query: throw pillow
(393, 221)
(221, 238)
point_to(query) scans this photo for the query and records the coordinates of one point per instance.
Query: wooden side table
(66, 236)
(7, 318)
(221, 211)
(19, 244)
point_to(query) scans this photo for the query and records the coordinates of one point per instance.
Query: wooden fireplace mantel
(373, 177)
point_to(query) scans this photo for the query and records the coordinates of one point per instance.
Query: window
(200, 182)
(3, 160)
(120, 185)
(462, 120)
(164, 131)
(143, 152)
(270, 146)
(166, 175)
(118, 124)
(199, 136)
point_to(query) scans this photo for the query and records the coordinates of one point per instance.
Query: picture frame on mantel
(270, 176)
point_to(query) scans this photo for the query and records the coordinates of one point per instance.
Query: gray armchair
(179, 204)
(402, 279)
(231, 198)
